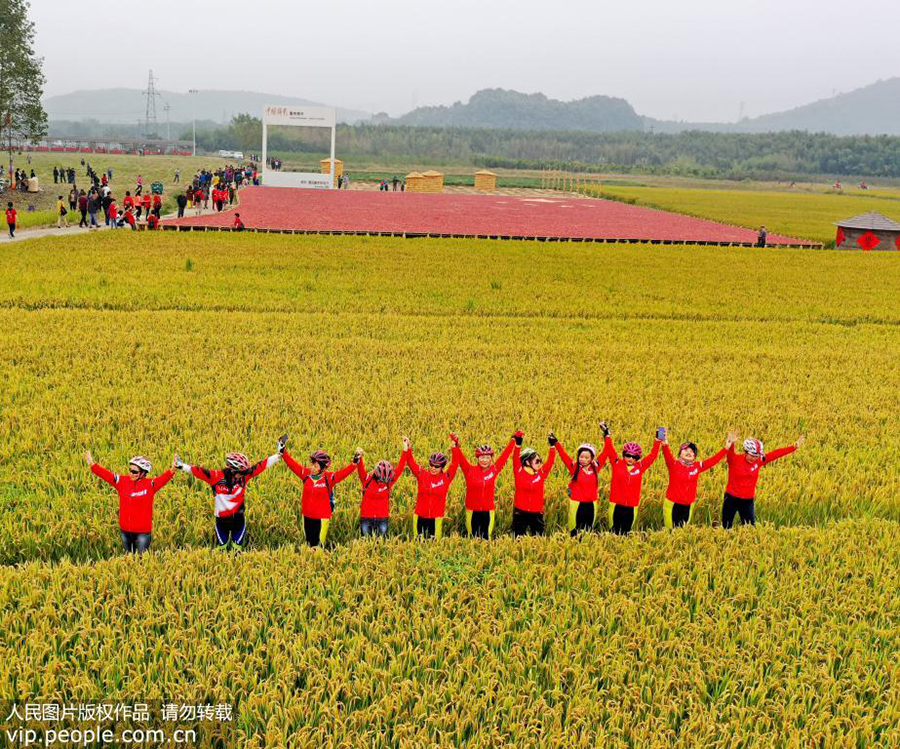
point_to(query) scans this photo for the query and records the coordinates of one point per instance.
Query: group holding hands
(530, 471)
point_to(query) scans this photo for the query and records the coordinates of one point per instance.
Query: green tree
(21, 78)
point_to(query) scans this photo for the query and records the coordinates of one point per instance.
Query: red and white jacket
(431, 494)
(376, 496)
(530, 486)
(625, 487)
(585, 483)
(318, 490)
(229, 497)
(481, 482)
(683, 478)
(743, 475)
(135, 498)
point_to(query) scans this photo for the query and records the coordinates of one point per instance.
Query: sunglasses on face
(631, 455)
(537, 461)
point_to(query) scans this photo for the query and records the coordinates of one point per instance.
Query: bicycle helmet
(526, 456)
(483, 450)
(237, 461)
(384, 472)
(321, 457)
(141, 463)
(632, 449)
(587, 447)
(753, 447)
(437, 460)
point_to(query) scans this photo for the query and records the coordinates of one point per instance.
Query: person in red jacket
(136, 493)
(584, 486)
(743, 473)
(374, 510)
(627, 477)
(128, 218)
(432, 485)
(529, 473)
(146, 200)
(317, 501)
(11, 220)
(152, 222)
(684, 473)
(157, 205)
(238, 223)
(113, 214)
(481, 481)
(228, 488)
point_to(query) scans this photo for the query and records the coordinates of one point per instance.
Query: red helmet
(321, 457)
(632, 448)
(237, 461)
(483, 450)
(384, 472)
(437, 460)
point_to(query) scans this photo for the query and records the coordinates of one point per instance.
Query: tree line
(694, 153)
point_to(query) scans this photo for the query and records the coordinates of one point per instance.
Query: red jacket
(10, 216)
(585, 485)
(481, 482)
(683, 478)
(146, 200)
(128, 201)
(376, 496)
(229, 497)
(157, 200)
(742, 476)
(625, 487)
(113, 210)
(135, 498)
(530, 486)
(318, 490)
(431, 493)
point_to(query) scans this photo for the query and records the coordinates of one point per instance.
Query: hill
(501, 108)
(128, 105)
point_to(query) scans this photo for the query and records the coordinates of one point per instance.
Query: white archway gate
(296, 116)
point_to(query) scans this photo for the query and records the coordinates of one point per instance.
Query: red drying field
(285, 208)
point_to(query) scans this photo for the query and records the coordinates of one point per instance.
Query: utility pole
(168, 131)
(193, 118)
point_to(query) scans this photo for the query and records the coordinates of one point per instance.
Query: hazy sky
(690, 59)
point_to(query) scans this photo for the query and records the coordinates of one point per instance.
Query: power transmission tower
(150, 118)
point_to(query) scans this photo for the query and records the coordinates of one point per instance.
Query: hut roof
(873, 221)
(414, 175)
(432, 173)
(485, 171)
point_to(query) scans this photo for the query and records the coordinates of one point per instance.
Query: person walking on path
(61, 211)
(82, 208)
(11, 220)
(761, 237)
(93, 205)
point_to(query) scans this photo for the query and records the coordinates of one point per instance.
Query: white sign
(297, 179)
(299, 116)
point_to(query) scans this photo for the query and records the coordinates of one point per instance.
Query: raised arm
(712, 461)
(451, 471)
(339, 476)
(564, 457)
(504, 456)
(410, 460)
(648, 460)
(771, 457)
(164, 478)
(300, 470)
(458, 456)
(99, 471)
(258, 468)
(667, 455)
(551, 458)
(517, 463)
(401, 466)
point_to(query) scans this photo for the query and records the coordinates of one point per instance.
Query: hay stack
(434, 181)
(325, 165)
(485, 181)
(415, 182)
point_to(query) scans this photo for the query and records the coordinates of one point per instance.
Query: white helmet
(589, 447)
(141, 462)
(753, 447)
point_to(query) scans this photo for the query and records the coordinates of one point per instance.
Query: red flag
(868, 241)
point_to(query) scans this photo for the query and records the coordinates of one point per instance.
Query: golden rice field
(795, 213)
(782, 635)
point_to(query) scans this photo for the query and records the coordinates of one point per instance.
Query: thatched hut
(868, 231)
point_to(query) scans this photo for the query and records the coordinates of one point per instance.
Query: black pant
(680, 514)
(481, 523)
(232, 528)
(373, 526)
(312, 529)
(524, 522)
(180, 211)
(135, 542)
(12, 230)
(623, 519)
(426, 527)
(584, 518)
(746, 508)
(83, 221)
